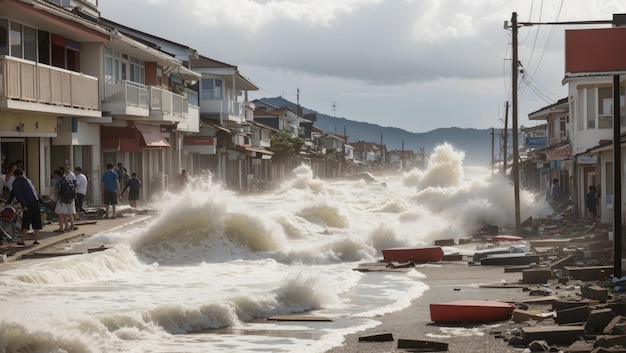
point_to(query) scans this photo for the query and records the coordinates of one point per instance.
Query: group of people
(69, 205)
(591, 199)
(112, 181)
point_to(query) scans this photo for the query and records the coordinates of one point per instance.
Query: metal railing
(33, 82)
(168, 102)
(222, 106)
(126, 93)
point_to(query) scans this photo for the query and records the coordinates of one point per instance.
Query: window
(43, 46)
(65, 53)
(211, 88)
(121, 67)
(16, 40)
(4, 37)
(599, 109)
(591, 108)
(30, 43)
(605, 100)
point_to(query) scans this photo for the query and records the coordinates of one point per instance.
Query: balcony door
(65, 53)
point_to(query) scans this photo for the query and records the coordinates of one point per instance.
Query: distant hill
(475, 143)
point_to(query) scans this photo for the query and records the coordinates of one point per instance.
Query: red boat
(413, 254)
(471, 311)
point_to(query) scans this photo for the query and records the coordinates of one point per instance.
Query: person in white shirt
(68, 174)
(81, 190)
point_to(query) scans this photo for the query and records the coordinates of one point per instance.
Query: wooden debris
(422, 346)
(383, 337)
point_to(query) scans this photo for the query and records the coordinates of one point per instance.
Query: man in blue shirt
(26, 195)
(110, 189)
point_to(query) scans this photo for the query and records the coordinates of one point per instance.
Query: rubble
(571, 303)
(578, 306)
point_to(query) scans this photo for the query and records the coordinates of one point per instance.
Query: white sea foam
(214, 260)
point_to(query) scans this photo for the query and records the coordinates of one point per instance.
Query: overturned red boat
(413, 254)
(471, 311)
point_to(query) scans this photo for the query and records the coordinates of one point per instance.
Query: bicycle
(10, 222)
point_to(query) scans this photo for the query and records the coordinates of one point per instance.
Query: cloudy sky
(412, 64)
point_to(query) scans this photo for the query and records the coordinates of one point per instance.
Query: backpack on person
(67, 193)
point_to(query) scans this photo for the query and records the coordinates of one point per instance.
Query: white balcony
(227, 109)
(125, 98)
(147, 102)
(167, 106)
(30, 86)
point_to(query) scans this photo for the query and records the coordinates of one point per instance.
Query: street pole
(505, 135)
(617, 177)
(515, 169)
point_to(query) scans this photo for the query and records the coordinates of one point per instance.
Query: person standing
(26, 195)
(122, 174)
(71, 177)
(592, 202)
(111, 189)
(183, 179)
(81, 190)
(557, 192)
(65, 207)
(69, 174)
(133, 185)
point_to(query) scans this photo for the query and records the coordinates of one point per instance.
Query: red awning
(151, 135)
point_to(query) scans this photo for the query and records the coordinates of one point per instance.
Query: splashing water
(213, 263)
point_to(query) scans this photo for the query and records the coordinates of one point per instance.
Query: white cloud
(252, 16)
(420, 64)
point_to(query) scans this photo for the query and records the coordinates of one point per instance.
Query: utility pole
(298, 101)
(617, 177)
(515, 169)
(505, 134)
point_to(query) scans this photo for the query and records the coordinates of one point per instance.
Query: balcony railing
(126, 93)
(167, 103)
(222, 106)
(29, 81)
(606, 121)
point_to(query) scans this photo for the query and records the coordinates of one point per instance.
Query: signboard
(587, 159)
(559, 154)
(607, 55)
(200, 144)
(535, 142)
(198, 140)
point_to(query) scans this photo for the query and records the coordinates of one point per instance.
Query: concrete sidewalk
(49, 240)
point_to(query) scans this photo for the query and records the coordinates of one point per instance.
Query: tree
(285, 146)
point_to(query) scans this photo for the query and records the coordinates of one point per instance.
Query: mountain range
(476, 143)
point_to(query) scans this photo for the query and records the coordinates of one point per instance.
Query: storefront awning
(151, 135)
